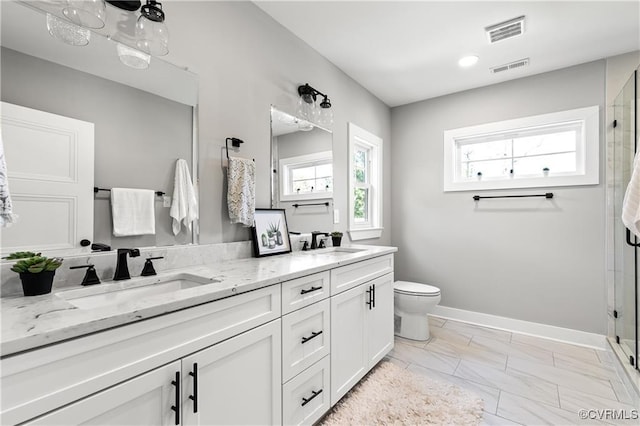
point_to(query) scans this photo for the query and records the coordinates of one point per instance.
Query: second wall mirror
(302, 172)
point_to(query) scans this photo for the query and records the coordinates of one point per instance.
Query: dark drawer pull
(370, 301)
(194, 397)
(373, 296)
(176, 407)
(303, 291)
(314, 334)
(305, 401)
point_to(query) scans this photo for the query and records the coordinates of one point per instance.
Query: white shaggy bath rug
(390, 395)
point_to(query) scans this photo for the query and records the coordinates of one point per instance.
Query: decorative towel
(631, 201)
(184, 207)
(133, 211)
(7, 217)
(241, 191)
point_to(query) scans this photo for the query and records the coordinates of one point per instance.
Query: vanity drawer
(41, 380)
(349, 276)
(299, 405)
(305, 338)
(304, 291)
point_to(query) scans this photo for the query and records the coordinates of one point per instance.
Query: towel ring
(235, 142)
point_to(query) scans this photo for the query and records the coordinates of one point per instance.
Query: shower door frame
(622, 308)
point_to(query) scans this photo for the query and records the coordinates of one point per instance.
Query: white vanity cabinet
(281, 354)
(144, 400)
(306, 337)
(361, 321)
(234, 382)
(227, 335)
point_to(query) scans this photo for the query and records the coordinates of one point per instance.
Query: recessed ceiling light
(468, 61)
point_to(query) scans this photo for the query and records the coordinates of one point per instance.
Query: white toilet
(413, 301)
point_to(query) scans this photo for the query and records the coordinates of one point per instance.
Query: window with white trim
(365, 184)
(307, 177)
(556, 149)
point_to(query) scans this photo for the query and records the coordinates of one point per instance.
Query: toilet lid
(419, 289)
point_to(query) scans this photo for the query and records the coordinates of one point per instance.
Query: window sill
(302, 197)
(365, 233)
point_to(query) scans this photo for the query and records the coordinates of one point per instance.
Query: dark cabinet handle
(176, 407)
(370, 301)
(305, 401)
(303, 291)
(194, 397)
(314, 334)
(373, 295)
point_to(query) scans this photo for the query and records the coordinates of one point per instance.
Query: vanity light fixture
(310, 110)
(151, 33)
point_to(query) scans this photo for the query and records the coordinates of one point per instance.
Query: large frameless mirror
(141, 126)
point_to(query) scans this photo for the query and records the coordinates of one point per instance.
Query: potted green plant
(336, 238)
(36, 271)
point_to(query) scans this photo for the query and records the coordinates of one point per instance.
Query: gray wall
(530, 259)
(138, 136)
(246, 63)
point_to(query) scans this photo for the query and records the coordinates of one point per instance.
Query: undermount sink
(334, 250)
(126, 291)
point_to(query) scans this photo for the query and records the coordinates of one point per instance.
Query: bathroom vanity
(275, 340)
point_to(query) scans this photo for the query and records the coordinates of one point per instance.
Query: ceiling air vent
(513, 65)
(504, 30)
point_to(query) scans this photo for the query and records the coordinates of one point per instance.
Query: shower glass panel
(625, 253)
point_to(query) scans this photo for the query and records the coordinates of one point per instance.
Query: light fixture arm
(309, 95)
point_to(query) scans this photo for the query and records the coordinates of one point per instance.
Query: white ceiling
(408, 51)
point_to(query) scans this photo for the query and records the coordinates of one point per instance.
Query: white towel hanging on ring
(184, 207)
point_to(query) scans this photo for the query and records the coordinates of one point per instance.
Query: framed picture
(270, 232)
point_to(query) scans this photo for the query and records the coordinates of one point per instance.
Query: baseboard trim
(565, 335)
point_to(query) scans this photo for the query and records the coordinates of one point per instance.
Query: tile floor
(522, 379)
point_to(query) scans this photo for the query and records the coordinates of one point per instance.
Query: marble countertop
(31, 322)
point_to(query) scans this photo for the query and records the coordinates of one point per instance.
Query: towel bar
(545, 195)
(310, 204)
(96, 189)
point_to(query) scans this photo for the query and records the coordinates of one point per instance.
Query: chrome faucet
(314, 242)
(122, 270)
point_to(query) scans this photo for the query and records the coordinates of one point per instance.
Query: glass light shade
(326, 117)
(67, 32)
(315, 112)
(152, 37)
(133, 58)
(86, 13)
(305, 110)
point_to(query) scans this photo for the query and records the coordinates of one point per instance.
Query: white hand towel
(133, 211)
(7, 217)
(184, 207)
(241, 190)
(631, 201)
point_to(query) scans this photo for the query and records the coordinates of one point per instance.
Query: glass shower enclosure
(626, 244)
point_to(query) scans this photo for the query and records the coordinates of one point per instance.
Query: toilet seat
(416, 289)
